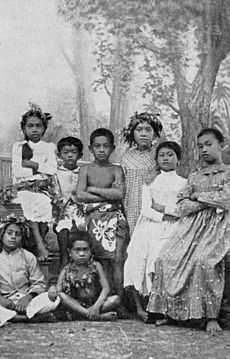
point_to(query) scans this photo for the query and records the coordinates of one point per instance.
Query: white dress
(151, 231)
(36, 206)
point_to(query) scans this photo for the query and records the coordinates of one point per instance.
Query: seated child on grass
(22, 283)
(82, 285)
(69, 213)
(101, 188)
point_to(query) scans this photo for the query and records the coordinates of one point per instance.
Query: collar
(62, 168)
(168, 173)
(218, 167)
(35, 144)
(18, 249)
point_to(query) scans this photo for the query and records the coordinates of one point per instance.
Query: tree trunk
(194, 101)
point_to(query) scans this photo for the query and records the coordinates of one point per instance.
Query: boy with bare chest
(101, 188)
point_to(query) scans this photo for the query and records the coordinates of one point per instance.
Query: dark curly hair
(151, 118)
(35, 111)
(214, 131)
(105, 132)
(18, 221)
(70, 141)
(172, 146)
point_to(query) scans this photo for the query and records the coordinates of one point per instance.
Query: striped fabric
(139, 167)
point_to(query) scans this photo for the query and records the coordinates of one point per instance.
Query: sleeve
(49, 165)
(36, 277)
(17, 170)
(220, 197)
(185, 205)
(146, 209)
(172, 209)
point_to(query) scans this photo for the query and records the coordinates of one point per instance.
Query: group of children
(137, 225)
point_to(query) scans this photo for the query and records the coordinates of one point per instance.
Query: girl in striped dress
(138, 161)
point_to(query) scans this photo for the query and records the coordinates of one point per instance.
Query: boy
(69, 212)
(101, 188)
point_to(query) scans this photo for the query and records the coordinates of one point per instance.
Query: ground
(119, 340)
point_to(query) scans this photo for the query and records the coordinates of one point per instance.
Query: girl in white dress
(33, 164)
(155, 223)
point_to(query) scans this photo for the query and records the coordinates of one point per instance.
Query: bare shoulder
(83, 169)
(98, 265)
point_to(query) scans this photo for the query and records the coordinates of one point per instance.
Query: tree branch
(103, 73)
(147, 44)
(174, 108)
(68, 60)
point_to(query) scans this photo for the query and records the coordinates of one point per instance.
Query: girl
(189, 273)
(22, 283)
(33, 163)
(82, 285)
(138, 161)
(156, 221)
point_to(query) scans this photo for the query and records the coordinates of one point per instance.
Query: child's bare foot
(109, 316)
(213, 327)
(142, 315)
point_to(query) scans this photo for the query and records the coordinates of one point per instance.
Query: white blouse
(164, 191)
(43, 153)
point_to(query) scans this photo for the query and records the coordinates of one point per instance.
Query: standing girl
(190, 272)
(33, 164)
(138, 161)
(155, 223)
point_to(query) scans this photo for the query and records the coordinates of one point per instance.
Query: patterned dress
(152, 231)
(189, 276)
(68, 211)
(138, 166)
(108, 230)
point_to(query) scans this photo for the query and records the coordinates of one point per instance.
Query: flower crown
(151, 118)
(37, 109)
(12, 219)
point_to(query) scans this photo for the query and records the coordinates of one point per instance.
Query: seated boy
(69, 212)
(101, 188)
(22, 283)
(82, 285)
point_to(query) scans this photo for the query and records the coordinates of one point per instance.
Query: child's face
(70, 156)
(167, 159)
(80, 252)
(143, 135)
(209, 148)
(101, 148)
(12, 238)
(34, 129)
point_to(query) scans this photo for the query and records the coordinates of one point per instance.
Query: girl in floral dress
(190, 272)
(138, 161)
(33, 164)
(157, 220)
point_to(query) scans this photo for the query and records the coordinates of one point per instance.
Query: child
(70, 151)
(156, 222)
(22, 283)
(82, 285)
(189, 275)
(33, 163)
(138, 161)
(101, 188)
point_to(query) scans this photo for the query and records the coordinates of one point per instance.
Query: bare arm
(104, 285)
(116, 192)
(81, 193)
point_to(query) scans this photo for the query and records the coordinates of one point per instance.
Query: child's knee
(114, 300)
